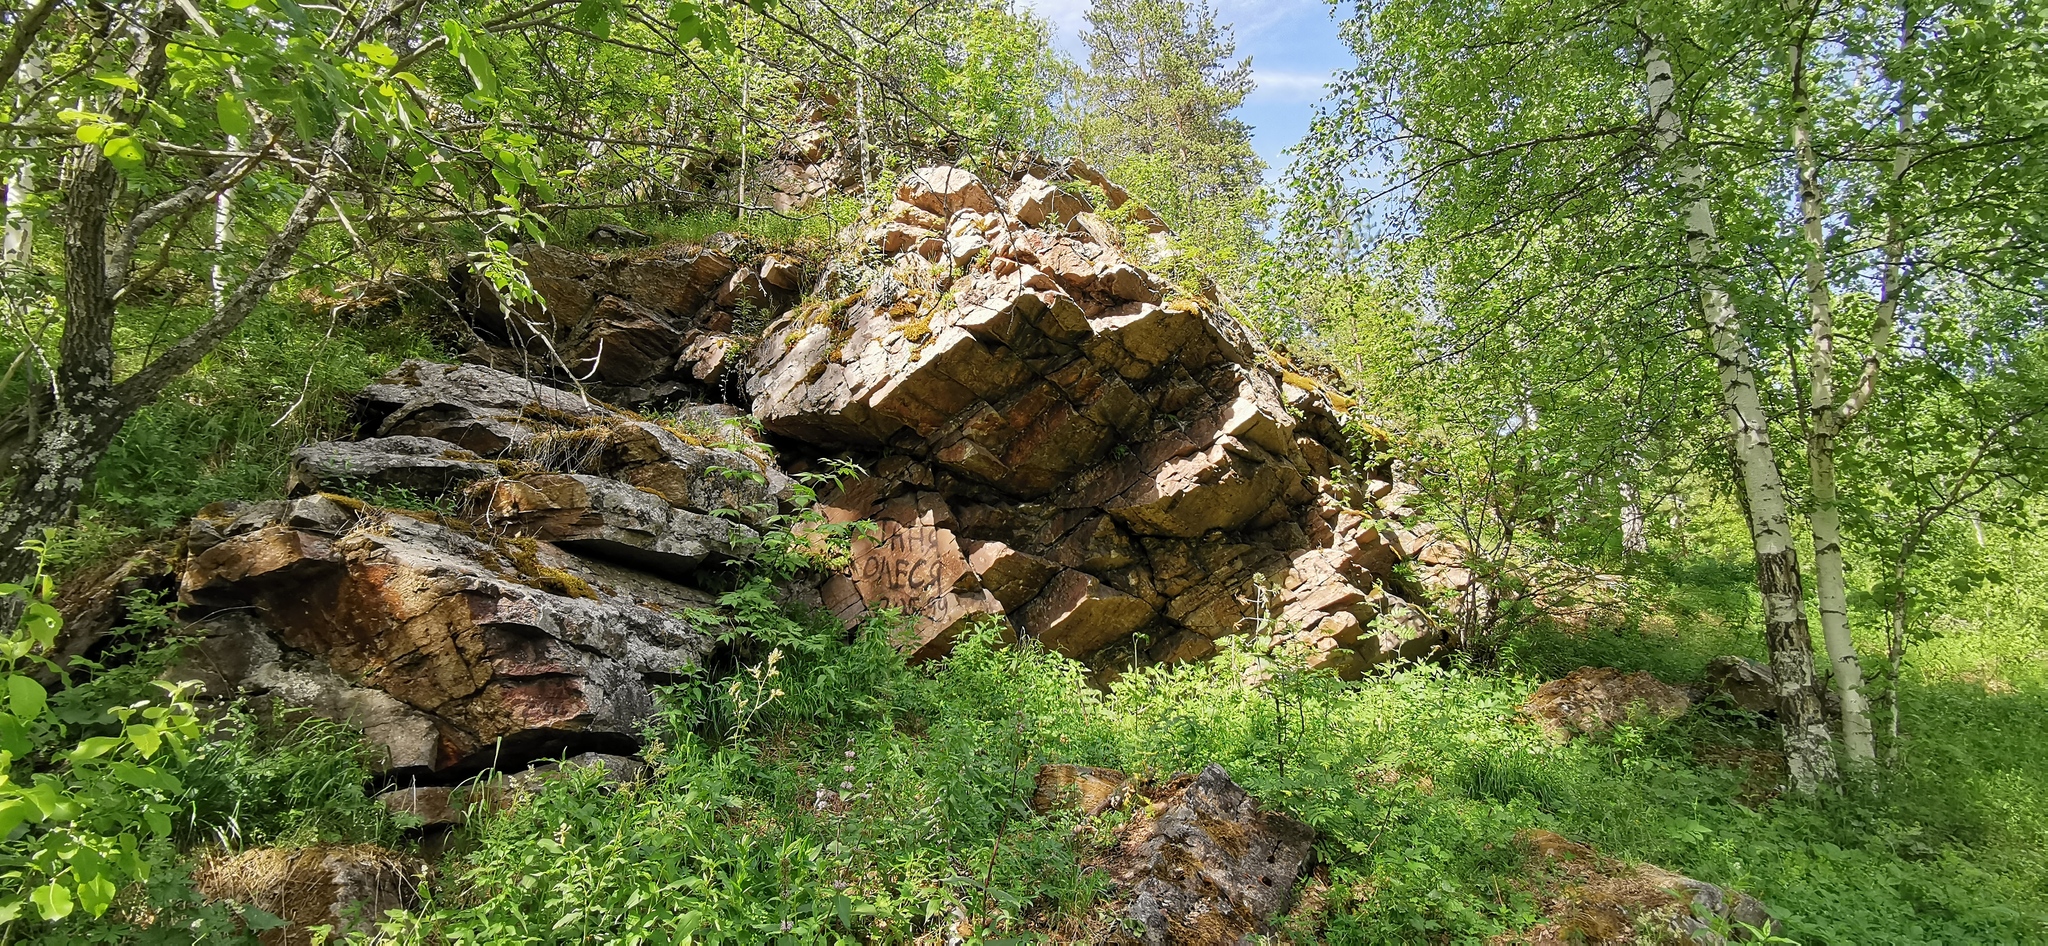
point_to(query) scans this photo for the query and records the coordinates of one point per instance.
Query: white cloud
(1280, 85)
(1248, 19)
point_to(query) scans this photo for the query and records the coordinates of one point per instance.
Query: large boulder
(526, 605)
(1211, 867)
(1747, 684)
(1596, 699)
(1111, 462)
(1108, 466)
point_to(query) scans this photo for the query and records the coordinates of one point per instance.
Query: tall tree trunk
(1635, 534)
(1809, 751)
(17, 244)
(1895, 640)
(81, 407)
(1831, 582)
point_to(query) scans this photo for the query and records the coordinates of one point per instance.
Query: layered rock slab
(455, 650)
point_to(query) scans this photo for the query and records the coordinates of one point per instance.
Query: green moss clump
(524, 554)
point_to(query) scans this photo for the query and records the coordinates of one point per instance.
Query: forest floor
(1419, 782)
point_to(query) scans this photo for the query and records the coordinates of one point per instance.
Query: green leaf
(233, 118)
(126, 154)
(594, 17)
(13, 812)
(378, 53)
(95, 747)
(25, 697)
(159, 824)
(472, 58)
(52, 901)
(119, 81)
(96, 895)
(146, 739)
(14, 739)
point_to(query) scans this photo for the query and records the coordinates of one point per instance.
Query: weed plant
(836, 794)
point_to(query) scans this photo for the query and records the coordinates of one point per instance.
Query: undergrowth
(829, 792)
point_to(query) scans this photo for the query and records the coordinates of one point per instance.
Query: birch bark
(1831, 583)
(1809, 752)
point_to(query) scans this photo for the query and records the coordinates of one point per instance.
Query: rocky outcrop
(528, 611)
(1067, 440)
(1596, 699)
(1210, 867)
(1051, 436)
(454, 649)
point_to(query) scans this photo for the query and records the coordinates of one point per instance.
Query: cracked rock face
(532, 612)
(455, 650)
(1054, 439)
(1067, 442)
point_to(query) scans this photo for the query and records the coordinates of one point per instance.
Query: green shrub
(88, 783)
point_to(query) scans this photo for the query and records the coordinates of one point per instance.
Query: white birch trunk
(1809, 752)
(18, 241)
(1635, 535)
(1831, 582)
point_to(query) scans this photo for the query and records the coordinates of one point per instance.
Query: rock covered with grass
(1588, 897)
(1205, 864)
(1596, 699)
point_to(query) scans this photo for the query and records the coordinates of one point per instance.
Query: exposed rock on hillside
(1063, 439)
(532, 615)
(453, 648)
(1052, 434)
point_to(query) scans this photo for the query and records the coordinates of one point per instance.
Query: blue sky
(1294, 49)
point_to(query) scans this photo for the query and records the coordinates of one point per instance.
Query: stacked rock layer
(1061, 437)
(501, 569)
(501, 572)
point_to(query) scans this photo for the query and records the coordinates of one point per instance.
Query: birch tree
(280, 118)
(1789, 173)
